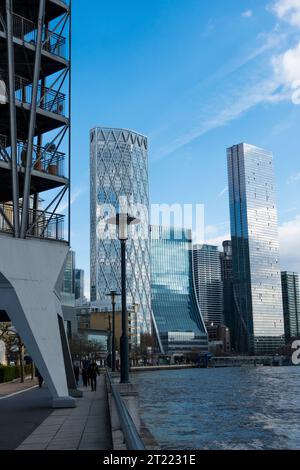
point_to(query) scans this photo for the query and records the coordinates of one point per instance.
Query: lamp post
(113, 294)
(123, 221)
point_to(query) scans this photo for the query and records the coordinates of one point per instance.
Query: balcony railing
(26, 30)
(47, 99)
(48, 226)
(45, 159)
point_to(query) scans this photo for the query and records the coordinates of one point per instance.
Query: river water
(222, 408)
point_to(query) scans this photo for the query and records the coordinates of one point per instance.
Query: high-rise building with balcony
(291, 304)
(208, 282)
(35, 43)
(118, 177)
(255, 250)
(177, 315)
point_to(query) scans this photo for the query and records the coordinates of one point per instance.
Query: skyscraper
(291, 304)
(68, 288)
(79, 284)
(119, 175)
(208, 282)
(255, 250)
(177, 315)
(227, 281)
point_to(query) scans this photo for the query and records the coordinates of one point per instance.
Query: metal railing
(47, 99)
(48, 226)
(3, 141)
(26, 30)
(44, 159)
(131, 436)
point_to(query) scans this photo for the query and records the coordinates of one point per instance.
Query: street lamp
(123, 221)
(113, 294)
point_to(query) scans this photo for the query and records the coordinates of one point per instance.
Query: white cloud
(288, 10)
(224, 191)
(247, 14)
(289, 237)
(74, 196)
(294, 178)
(287, 65)
(237, 104)
(218, 240)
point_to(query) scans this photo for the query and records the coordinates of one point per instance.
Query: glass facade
(255, 250)
(175, 308)
(208, 282)
(79, 283)
(291, 304)
(118, 176)
(227, 280)
(68, 290)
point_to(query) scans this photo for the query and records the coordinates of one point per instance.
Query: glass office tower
(208, 282)
(118, 176)
(68, 288)
(176, 311)
(255, 250)
(79, 284)
(291, 304)
(227, 280)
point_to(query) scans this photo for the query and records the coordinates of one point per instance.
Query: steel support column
(32, 121)
(12, 116)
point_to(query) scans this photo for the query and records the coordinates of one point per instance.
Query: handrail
(48, 225)
(128, 427)
(26, 30)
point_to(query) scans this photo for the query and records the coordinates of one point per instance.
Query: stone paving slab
(86, 427)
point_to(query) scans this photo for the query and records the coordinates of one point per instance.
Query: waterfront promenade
(29, 423)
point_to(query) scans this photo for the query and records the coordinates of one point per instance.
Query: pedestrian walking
(39, 377)
(76, 372)
(93, 372)
(84, 374)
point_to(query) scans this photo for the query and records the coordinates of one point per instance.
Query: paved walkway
(86, 427)
(10, 388)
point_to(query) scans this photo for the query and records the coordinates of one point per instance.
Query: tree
(13, 343)
(144, 349)
(81, 347)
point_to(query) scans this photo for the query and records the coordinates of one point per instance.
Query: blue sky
(195, 76)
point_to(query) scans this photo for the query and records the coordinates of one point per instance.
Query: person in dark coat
(93, 371)
(84, 375)
(39, 377)
(76, 372)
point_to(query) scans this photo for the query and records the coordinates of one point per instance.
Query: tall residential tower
(255, 250)
(119, 177)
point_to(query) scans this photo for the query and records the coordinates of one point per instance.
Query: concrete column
(29, 270)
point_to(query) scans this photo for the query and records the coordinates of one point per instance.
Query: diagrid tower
(35, 40)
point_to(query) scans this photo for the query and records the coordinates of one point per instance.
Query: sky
(195, 76)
